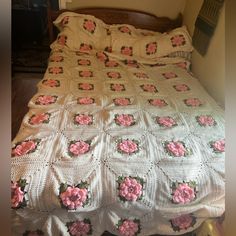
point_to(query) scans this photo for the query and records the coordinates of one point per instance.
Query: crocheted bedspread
(127, 146)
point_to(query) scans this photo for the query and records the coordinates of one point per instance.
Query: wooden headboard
(139, 19)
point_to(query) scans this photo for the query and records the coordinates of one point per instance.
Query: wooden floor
(24, 86)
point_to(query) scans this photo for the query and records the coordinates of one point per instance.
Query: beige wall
(210, 69)
(169, 8)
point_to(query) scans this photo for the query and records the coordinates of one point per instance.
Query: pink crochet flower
(151, 48)
(108, 32)
(131, 63)
(158, 102)
(113, 75)
(218, 146)
(183, 222)
(79, 228)
(24, 148)
(55, 70)
(182, 65)
(78, 147)
(205, 120)
(128, 146)
(17, 195)
(84, 62)
(166, 121)
(128, 51)
(45, 100)
(178, 40)
(183, 194)
(128, 228)
(176, 149)
(124, 29)
(74, 197)
(169, 75)
(86, 73)
(181, 87)
(85, 86)
(86, 100)
(85, 47)
(122, 101)
(130, 189)
(124, 119)
(56, 58)
(108, 49)
(117, 87)
(141, 75)
(149, 88)
(102, 56)
(65, 21)
(62, 39)
(89, 25)
(111, 63)
(193, 102)
(83, 119)
(51, 82)
(39, 118)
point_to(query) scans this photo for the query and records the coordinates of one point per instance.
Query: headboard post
(50, 22)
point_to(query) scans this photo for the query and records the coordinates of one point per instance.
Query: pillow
(125, 37)
(143, 32)
(123, 44)
(77, 30)
(151, 47)
(177, 40)
(66, 39)
(121, 33)
(124, 30)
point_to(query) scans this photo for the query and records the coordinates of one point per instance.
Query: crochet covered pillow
(80, 32)
(153, 46)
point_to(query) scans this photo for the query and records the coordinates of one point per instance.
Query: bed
(120, 137)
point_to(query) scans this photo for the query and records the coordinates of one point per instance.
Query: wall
(169, 8)
(210, 69)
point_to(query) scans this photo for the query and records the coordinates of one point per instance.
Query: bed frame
(139, 19)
